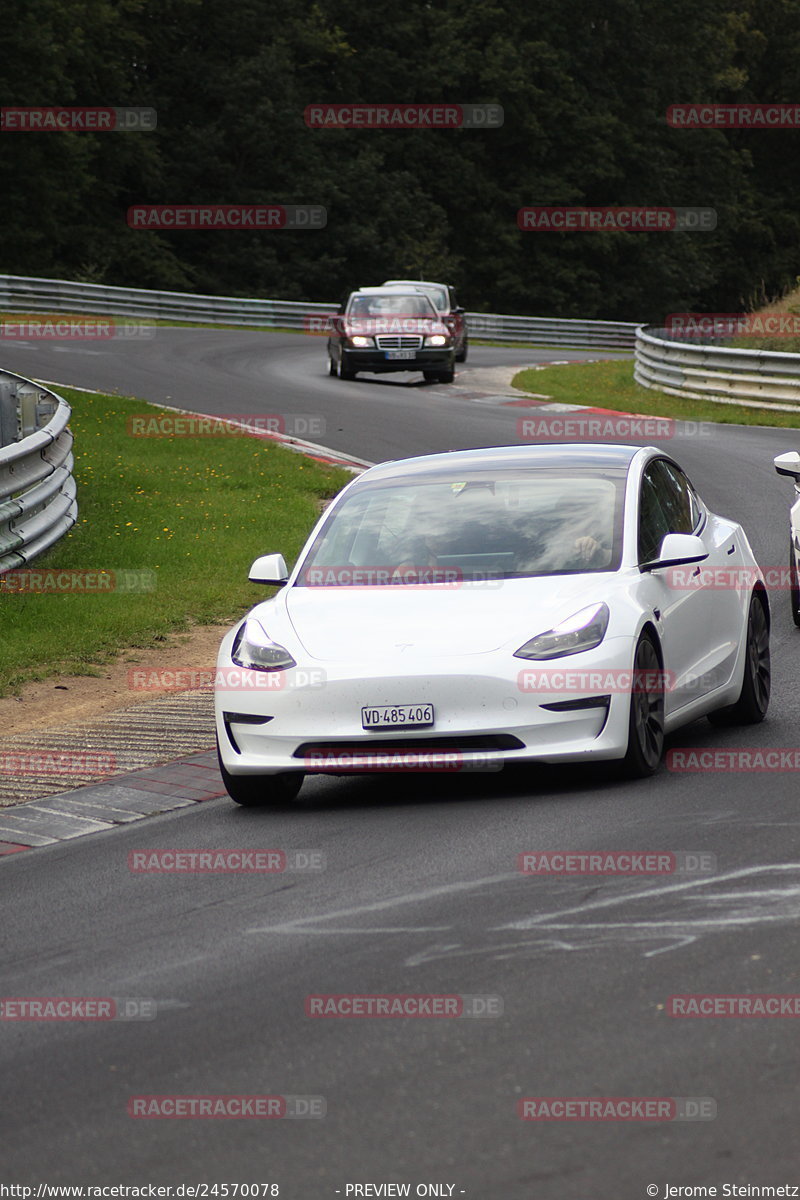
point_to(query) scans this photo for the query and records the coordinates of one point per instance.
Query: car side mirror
(269, 568)
(677, 549)
(788, 464)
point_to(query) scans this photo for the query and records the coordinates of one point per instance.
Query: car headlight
(359, 340)
(583, 631)
(254, 649)
(436, 339)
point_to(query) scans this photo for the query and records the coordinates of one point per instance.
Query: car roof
(378, 291)
(575, 455)
(423, 283)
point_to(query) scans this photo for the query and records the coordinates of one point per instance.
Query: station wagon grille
(399, 342)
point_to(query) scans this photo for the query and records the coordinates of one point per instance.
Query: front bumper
(432, 358)
(309, 719)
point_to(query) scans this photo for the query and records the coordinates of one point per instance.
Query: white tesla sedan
(482, 607)
(789, 464)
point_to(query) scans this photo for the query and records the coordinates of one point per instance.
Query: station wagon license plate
(397, 716)
(401, 354)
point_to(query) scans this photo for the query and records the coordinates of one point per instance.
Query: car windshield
(544, 522)
(438, 297)
(392, 304)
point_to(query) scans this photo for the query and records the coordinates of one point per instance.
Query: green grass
(611, 385)
(193, 512)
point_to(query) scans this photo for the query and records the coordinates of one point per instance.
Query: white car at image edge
(789, 464)
(555, 603)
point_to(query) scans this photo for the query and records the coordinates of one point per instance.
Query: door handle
(732, 548)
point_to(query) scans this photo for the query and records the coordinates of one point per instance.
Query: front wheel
(462, 354)
(261, 791)
(332, 368)
(646, 720)
(439, 376)
(753, 702)
(345, 372)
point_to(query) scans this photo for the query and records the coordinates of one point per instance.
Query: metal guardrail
(20, 293)
(552, 331)
(37, 489)
(713, 372)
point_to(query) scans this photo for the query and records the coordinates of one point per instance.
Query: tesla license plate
(401, 354)
(396, 716)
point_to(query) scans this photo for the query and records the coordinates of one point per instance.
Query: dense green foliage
(584, 88)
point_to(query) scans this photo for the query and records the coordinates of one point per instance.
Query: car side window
(653, 520)
(691, 505)
(674, 493)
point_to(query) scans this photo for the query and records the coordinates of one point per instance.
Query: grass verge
(189, 513)
(611, 385)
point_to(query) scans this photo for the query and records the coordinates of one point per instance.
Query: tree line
(584, 89)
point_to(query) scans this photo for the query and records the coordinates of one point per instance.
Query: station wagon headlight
(583, 631)
(436, 339)
(254, 649)
(358, 339)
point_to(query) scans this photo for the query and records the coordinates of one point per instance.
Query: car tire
(261, 791)
(753, 702)
(794, 584)
(440, 376)
(462, 354)
(646, 715)
(332, 368)
(345, 372)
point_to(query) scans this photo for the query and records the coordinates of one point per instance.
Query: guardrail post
(9, 424)
(34, 409)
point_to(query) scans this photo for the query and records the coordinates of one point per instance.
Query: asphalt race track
(420, 894)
